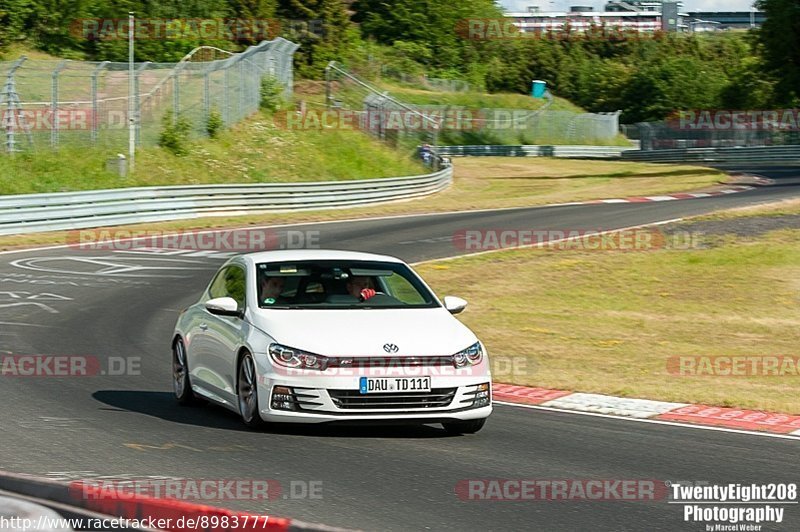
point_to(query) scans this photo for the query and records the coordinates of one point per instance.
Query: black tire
(181, 383)
(464, 427)
(247, 392)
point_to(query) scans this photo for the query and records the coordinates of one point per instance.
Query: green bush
(214, 124)
(271, 94)
(174, 133)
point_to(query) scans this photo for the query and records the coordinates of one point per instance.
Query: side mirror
(223, 306)
(454, 305)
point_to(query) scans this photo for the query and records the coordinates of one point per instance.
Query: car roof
(313, 254)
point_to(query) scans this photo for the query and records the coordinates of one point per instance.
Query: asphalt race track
(121, 304)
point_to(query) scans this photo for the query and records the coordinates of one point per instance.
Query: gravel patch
(747, 227)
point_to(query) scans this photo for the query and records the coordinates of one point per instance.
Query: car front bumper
(321, 398)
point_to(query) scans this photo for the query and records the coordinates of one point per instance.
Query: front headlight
(470, 356)
(290, 357)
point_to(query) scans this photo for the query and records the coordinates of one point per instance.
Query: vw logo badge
(390, 348)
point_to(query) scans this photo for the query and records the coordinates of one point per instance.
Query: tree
(431, 24)
(659, 89)
(779, 40)
(320, 27)
(15, 16)
(45, 23)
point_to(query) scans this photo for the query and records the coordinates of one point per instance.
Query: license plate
(394, 384)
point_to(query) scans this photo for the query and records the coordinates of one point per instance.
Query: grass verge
(477, 100)
(610, 323)
(255, 151)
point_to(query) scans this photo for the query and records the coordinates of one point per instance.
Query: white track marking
(111, 266)
(546, 243)
(661, 198)
(42, 306)
(608, 404)
(14, 323)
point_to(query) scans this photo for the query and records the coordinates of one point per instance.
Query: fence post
(137, 102)
(206, 95)
(226, 111)
(95, 106)
(328, 81)
(13, 113)
(54, 118)
(241, 88)
(246, 80)
(255, 89)
(176, 92)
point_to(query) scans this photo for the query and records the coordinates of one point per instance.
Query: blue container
(537, 88)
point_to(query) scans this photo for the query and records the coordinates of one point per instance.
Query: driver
(360, 287)
(271, 289)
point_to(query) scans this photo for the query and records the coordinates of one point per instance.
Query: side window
(229, 282)
(399, 287)
(217, 287)
(235, 284)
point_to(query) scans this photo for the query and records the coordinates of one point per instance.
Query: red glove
(367, 293)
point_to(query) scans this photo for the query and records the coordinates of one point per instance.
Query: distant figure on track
(426, 154)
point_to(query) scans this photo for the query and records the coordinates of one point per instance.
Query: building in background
(624, 7)
(728, 20)
(643, 16)
(638, 16)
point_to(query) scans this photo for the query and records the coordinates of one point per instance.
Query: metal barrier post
(54, 115)
(13, 113)
(137, 102)
(95, 107)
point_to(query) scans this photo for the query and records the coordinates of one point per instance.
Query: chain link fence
(45, 104)
(387, 117)
(671, 134)
(376, 111)
(437, 84)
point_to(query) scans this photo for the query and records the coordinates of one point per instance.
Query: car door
(224, 333)
(211, 337)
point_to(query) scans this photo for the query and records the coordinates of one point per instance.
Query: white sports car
(310, 336)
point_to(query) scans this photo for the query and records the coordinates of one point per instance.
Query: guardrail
(575, 152)
(31, 213)
(757, 155)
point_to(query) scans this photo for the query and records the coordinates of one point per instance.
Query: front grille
(391, 362)
(353, 400)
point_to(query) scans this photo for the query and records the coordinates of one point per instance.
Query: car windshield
(340, 285)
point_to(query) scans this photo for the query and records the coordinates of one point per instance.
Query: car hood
(362, 333)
